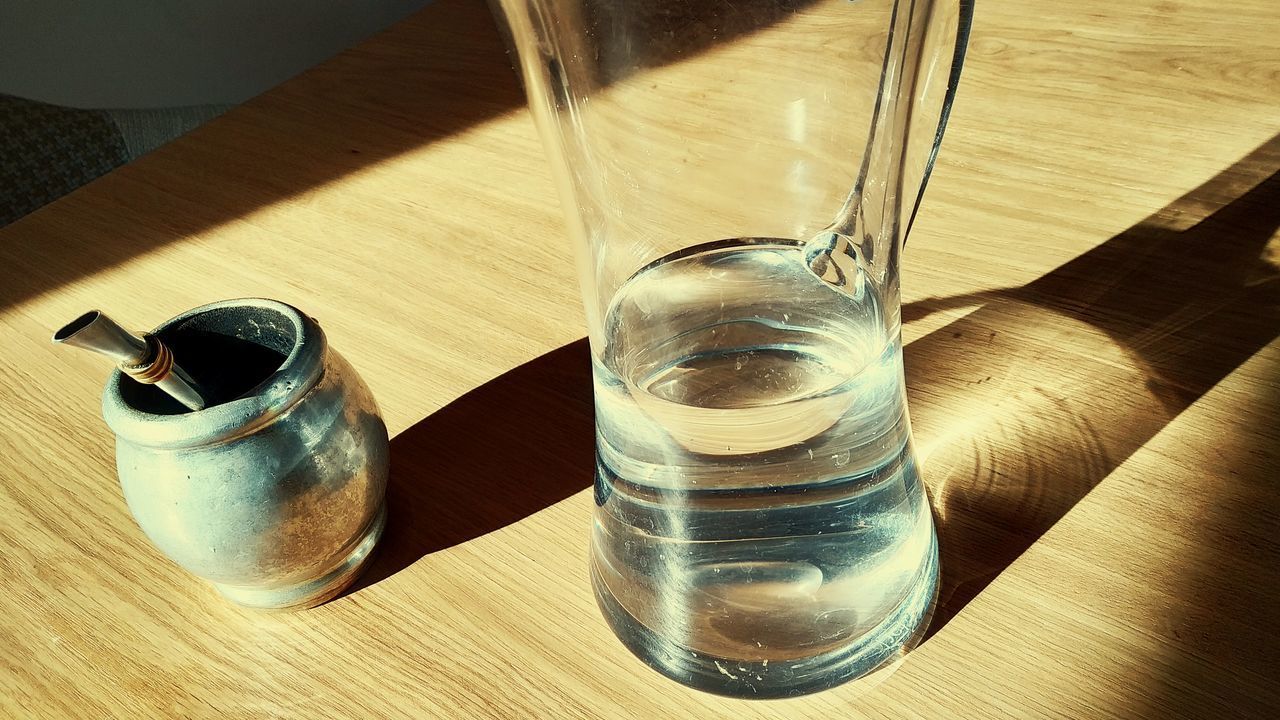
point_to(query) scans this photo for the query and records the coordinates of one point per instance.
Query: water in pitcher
(759, 523)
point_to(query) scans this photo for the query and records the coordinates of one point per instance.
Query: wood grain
(1092, 311)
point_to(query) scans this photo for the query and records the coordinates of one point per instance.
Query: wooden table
(1093, 302)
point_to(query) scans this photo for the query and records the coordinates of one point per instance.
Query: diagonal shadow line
(427, 77)
(505, 450)
(1023, 406)
(434, 74)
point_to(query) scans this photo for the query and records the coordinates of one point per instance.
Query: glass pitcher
(738, 178)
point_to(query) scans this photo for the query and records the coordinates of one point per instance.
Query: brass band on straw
(157, 369)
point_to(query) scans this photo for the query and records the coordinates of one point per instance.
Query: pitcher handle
(954, 28)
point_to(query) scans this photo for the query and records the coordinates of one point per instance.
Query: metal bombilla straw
(144, 358)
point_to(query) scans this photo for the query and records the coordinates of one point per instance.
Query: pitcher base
(874, 650)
